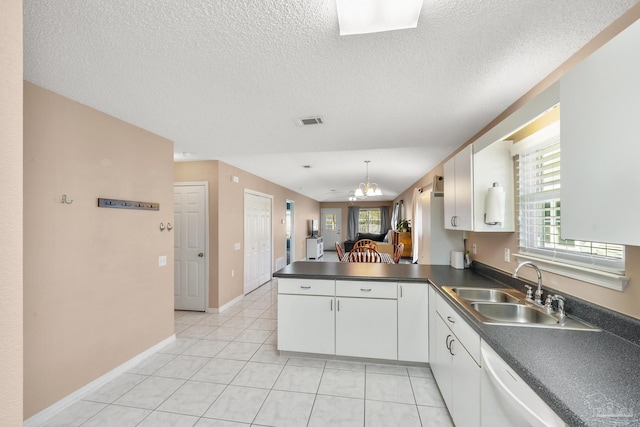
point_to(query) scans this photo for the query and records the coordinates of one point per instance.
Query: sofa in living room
(384, 245)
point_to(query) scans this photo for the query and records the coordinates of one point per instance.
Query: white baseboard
(62, 404)
(225, 307)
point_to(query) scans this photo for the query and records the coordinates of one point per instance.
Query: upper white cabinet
(599, 129)
(467, 179)
(458, 191)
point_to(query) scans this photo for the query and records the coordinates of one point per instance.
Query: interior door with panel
(189, 204)
(331, 223)
(257, 240)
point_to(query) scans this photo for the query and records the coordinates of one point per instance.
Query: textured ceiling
(226, 79)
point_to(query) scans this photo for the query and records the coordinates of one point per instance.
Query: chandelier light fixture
(366, 188)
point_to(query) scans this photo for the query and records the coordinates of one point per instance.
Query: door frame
(292, 246)
(207, 257)
(244, 241)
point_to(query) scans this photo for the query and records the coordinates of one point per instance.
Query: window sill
(597, 277)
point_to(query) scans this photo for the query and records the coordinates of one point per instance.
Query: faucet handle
(547, 303)
(561, 301)
(529, 292)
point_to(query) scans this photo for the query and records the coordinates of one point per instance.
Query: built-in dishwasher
(506, 400)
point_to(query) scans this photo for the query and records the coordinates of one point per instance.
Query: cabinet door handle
(305, 287)
(452, 224)
(451, 319)
(451, 347)
(446, 341)
(338, 304)
(365, 289)
(331, 305)
(400, 291)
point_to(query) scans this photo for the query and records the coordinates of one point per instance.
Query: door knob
(201, 254)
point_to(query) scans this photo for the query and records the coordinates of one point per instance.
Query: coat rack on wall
(128, 204)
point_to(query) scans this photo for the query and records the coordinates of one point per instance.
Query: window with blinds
(538, 181)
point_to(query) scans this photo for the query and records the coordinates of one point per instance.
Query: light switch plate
(162, 260)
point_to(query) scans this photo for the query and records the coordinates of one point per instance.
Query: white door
(331, 220)
(413, 322)
(257, 241)
(189, 205)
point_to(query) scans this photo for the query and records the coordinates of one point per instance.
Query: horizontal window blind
(538, 181)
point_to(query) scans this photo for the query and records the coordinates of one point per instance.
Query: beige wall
(94, 295)
(490, 246)
(11, 223)
(226, 222)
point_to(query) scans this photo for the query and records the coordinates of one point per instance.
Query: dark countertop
(576, 373)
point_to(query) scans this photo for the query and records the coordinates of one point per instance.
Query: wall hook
(161, 226)
(65, 201)
(169, 226)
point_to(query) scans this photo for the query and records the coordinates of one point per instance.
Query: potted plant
(403, 225)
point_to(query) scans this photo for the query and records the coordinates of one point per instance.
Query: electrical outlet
(162, 261)
(507, 255)
(236, 246)
(233, 273)
(474, 249)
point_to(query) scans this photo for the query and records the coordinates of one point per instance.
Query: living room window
(538, 182)
(369, 221)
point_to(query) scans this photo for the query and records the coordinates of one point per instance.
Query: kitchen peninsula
(572, 372)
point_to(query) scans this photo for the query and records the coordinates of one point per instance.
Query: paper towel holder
(494, 205)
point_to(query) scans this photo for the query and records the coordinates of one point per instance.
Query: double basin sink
(508, 307)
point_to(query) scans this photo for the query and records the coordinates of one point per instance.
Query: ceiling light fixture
(373, 16)
(366, 188)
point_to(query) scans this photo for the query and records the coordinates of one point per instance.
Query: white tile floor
(224, 370)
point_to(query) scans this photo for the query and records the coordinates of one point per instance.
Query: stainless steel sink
(483, 294)
(506, 306)
(514, 313)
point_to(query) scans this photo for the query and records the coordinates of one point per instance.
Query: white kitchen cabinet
(413, 322)
(455, 370)
(458, 191)
(367, 327)
(367, 319)
(432, 324)
(599, 128)
(306, 323)
(467, 179)
(306, 315)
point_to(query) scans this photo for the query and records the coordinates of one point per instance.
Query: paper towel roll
(494, 205)
(457, 260)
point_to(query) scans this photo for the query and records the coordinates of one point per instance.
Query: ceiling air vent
(308, 121)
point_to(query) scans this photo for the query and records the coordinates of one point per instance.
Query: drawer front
(306, 287)
(365, 289)
(465, 333)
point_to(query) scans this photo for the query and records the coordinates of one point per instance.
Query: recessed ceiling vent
(308, 121)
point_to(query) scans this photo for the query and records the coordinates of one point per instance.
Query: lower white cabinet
(370, 319)
(413, 322)
(456, 372)
(306, 323)
(367, 327)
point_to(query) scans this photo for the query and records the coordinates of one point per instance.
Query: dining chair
(364, 254)
(339, 251)
(397, 253)
(366, 243)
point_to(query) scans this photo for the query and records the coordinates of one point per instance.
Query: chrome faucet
(538, 293)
